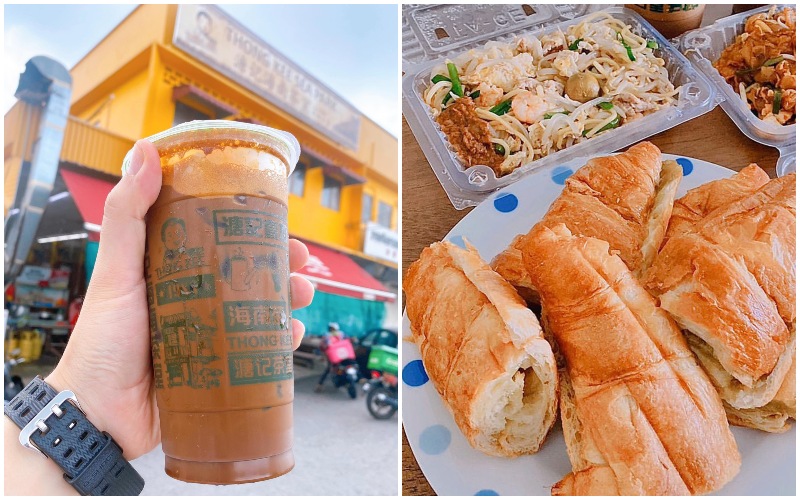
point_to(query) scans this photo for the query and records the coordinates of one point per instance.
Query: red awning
(89, 194)
(334, 272)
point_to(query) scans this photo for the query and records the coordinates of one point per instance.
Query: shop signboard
(36, 296)
(213, 37)
(44, 276)
(33, 275)
(381, 242)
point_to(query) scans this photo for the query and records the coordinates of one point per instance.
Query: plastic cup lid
(285, 139)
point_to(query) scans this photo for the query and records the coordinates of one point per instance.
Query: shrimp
(528, 107)
(490, 95)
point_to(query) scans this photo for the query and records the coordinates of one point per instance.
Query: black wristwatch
(54, 425)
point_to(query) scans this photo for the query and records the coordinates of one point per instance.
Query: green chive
(457, 90)
(475, 95)
(613, 124)
(547, 116)
(605, 105)
(652, 44)
(447, 98)
(776, 102)
(769, 62)
(440, 78)
(499, 149)
(574, 45)
(630, 53)
(501, 108)
(627, 47)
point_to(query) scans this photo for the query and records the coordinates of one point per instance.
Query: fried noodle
(761, 66)
(532, 74)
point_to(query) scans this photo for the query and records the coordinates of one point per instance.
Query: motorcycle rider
(333, 333)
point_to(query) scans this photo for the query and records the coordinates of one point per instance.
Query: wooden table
(428, 215)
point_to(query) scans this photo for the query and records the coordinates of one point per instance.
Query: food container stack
(760, 69)
(578, 123)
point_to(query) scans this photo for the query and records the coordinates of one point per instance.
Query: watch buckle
(37, 423)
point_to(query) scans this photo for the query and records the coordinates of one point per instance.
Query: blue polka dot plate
(452, 467)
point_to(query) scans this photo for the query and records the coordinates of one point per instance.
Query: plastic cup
(671, 19)
(217, 273)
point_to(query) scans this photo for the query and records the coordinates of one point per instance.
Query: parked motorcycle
(363, 347)
(13, 383)
(344, 368)
(345, 373)
(381, 395)
(382, 389)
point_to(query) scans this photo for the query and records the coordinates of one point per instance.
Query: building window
(297, 181)
(366, 208)
(184, 113)
(385, 214)
(331, 193)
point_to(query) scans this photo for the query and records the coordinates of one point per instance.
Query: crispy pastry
(702, 200)
(509, 265)
(760, 230)
(786, 399)
(625, 200)
(730, 284)
(483, 350)
(774, 416)
(639, 415)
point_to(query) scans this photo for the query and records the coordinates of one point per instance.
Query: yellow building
(167, 64)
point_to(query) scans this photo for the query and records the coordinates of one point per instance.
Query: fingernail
(137, 160)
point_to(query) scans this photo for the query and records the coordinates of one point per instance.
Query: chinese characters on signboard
(210, 35)
(381, 242)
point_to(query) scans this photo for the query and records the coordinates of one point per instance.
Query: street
(339, 450)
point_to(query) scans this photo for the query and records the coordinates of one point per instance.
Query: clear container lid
(431, 34)
(703, 47)
(282, 142)
(433, 31)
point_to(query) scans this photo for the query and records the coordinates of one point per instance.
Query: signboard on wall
(208, 34)
(381, 242)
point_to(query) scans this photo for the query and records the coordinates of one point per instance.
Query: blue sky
(351, 48)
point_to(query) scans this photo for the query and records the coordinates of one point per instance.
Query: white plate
(453, 467)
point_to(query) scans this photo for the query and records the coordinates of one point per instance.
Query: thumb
(120, 260)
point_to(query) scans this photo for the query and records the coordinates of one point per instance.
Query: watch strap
(29, 401)
(91, 460)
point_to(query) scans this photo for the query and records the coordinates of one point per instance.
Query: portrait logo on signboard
(201, 31)
(218, 40)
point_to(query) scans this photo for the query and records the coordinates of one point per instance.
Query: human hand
(107, 362)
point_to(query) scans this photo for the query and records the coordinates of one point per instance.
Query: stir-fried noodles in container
(505, 105)
(761, 65)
